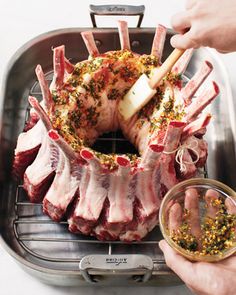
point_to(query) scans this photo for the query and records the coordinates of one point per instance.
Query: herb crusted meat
(112, 196)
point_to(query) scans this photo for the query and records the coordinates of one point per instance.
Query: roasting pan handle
(116, 10)
(120, 264)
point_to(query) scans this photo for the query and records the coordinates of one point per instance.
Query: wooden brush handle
(165, 67)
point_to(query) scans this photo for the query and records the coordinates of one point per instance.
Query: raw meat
(105, 195)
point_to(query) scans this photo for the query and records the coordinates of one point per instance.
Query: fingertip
(162, 244)
(191, 199)
(175, 41)
(230, 206)
(166, 249)
(175, 217)
(184, 41)
(212, 194)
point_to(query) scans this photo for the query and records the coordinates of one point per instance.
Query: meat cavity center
(114, 142)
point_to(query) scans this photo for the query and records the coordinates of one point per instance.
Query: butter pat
(138, 95)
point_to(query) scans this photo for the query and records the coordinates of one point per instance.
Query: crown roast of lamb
(112, 196)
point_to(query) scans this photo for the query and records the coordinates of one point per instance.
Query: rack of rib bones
(112, 196)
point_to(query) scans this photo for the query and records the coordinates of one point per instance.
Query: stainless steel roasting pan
(46, 249)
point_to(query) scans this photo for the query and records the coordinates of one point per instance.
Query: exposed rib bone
(121, 202)
(39, 174)
(63, 188)
(94, 163)
(47, 97)
(119, 210)
(124, 35)
(181, 65)
(69, 66)
(28, 144)
(66, 181)
(147, 193)
(193, 127)
(63, 145)
(151, 155)
(77, 223)
(196, 81)
(58, 67)
(171, 142)
(93, 194)
(172, 137)
(90, 43)
(158, 42)
(200, 102)
(123, 162)
(40, 111)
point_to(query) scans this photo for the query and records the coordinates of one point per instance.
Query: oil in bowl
(198, 219)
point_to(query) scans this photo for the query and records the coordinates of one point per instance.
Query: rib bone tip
(216, 87)
(177, 124)
(38, 69)
(86, 154)
(209, 64)
(53, 134)
(156, 147)
(33, 101)
(122, 22)
(122, 161)
(161, 26)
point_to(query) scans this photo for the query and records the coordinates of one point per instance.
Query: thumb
(181, 266)
(183, 41)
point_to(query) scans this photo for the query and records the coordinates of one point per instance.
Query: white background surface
(19, 22)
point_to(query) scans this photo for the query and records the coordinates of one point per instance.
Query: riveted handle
(129, 10)
(123, 264)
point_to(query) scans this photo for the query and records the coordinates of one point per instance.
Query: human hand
(209, 23)
(200, 277)
(203, 278)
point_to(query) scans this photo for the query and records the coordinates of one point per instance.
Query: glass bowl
(198, 219)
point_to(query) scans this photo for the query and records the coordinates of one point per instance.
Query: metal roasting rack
(113, 142)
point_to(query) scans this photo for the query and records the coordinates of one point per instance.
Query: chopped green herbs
(218, 233)
(80, 102)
